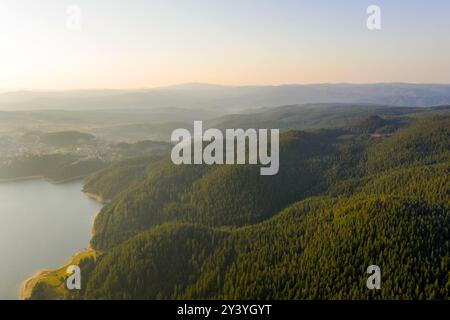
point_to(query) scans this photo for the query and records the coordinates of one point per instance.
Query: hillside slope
(341, 202)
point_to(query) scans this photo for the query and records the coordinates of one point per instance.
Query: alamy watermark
(373, 21)
(231, 148)
(73, 21)
(374, 280)
(73, 281)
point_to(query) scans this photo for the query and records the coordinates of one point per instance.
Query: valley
(372, 192)
(196, 154)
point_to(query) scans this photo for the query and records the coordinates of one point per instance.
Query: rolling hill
(342, 200)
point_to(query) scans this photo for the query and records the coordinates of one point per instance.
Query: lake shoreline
(98, 198)
(27, 286)
(31, 178)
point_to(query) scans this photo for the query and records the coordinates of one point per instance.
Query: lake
(41, 226)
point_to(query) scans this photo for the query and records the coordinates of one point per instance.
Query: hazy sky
(137, 43)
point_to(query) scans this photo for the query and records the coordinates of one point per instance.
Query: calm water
(41, 226)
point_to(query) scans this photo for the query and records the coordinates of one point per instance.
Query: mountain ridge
(210, 96)
(343, 200)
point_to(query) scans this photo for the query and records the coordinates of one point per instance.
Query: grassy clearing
(52, 283)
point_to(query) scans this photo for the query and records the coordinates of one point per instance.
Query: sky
(148, 43)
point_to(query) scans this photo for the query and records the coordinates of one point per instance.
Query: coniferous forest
(220, 158)
(375, 192)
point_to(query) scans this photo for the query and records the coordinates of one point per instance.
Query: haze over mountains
(227, 99)
(374, 192)
(360, 183)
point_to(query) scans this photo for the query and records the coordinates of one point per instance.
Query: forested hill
(343, 199)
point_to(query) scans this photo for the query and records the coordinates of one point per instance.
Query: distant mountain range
(230, 98)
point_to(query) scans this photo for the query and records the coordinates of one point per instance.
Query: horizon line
(49, 90)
